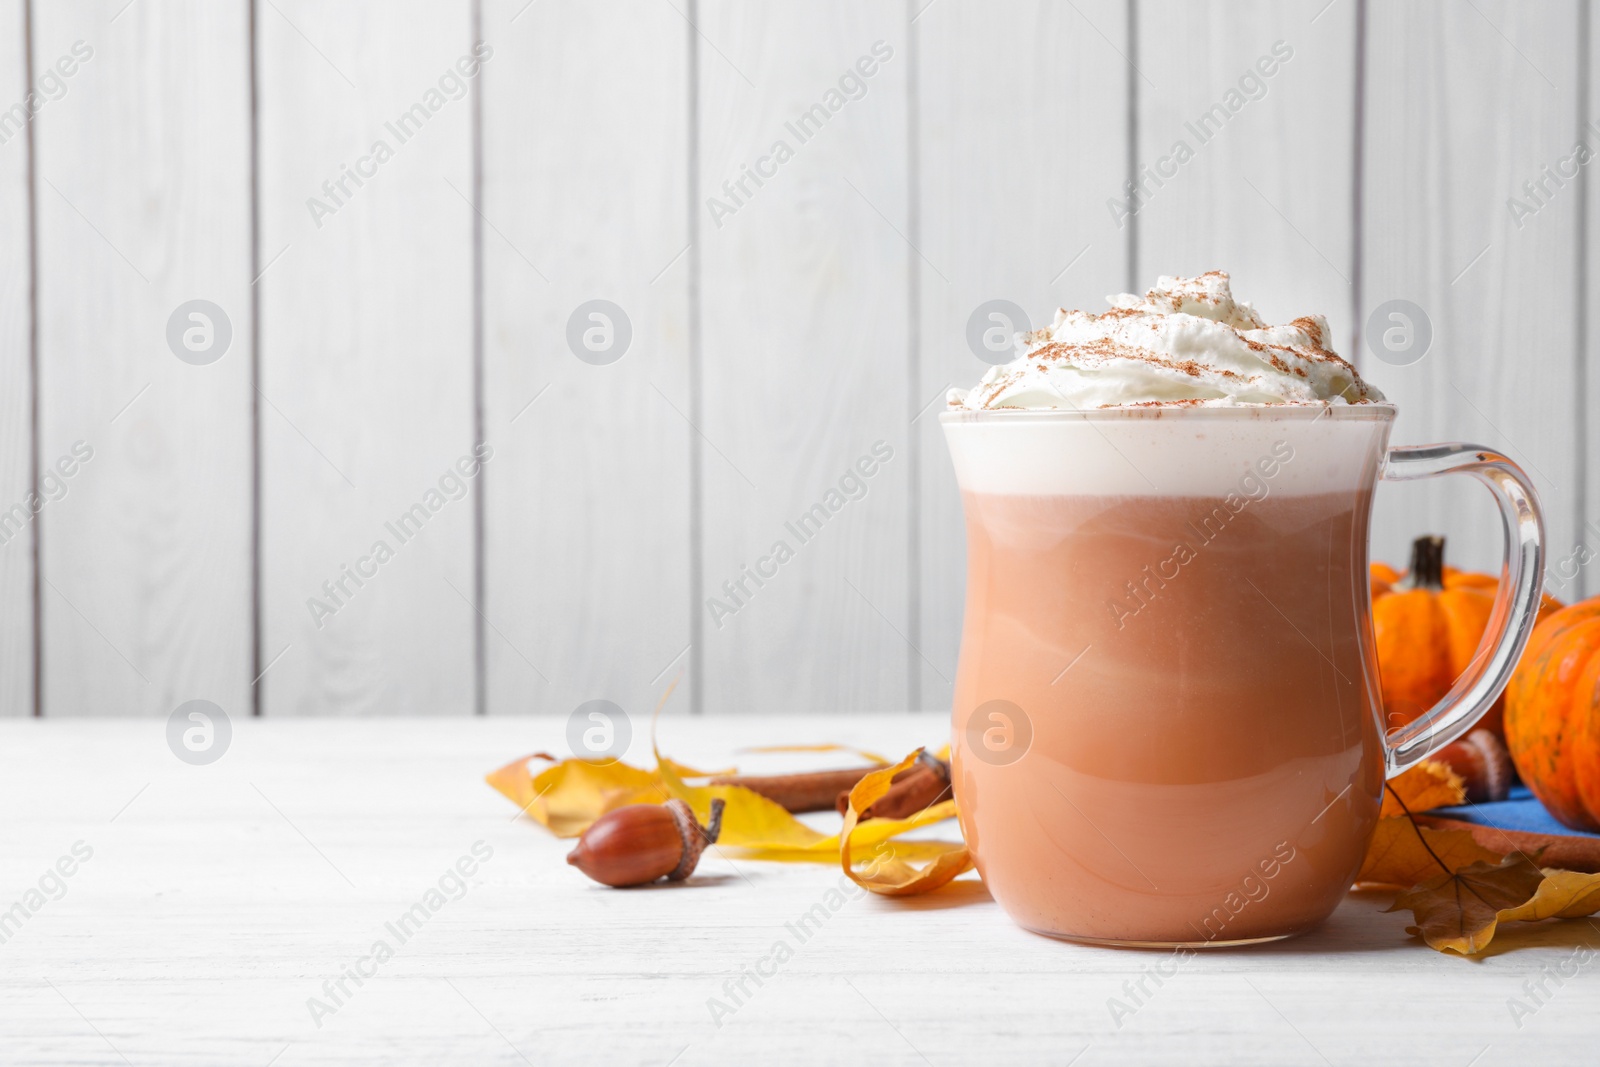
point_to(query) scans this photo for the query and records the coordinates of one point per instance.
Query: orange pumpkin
(1428, 623)
(1553, 714)
(1384, 579)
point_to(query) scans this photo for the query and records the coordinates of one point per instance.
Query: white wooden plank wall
(16, 375)
(367, 357)
(588, 531)
(780, 324)
(1587, 432)
(142, 202)
(804, 361)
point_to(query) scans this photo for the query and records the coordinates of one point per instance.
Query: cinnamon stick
(797, 793)
(917, 787)
(1567, 852)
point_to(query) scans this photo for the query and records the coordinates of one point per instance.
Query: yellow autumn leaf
(1562, 895)
(1404, 854)
(890, 870)
(571, 794)
(1462, 891)
(1459, 911)
(762, 829)
(749, 820)
(514, 782)
(1462, 912)
(1428, 785)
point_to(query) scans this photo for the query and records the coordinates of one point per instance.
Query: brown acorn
(1483, 763)
(640, 843)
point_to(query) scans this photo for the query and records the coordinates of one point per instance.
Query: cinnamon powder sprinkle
(1288, 349)
(1309, 327)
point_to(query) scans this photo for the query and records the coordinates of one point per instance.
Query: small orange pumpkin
(1383, 579)
(1553, 714)
(1428, 623)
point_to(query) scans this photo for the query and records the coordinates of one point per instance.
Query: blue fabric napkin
(1522, 811)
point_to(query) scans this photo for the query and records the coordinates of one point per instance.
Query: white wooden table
(218, 900)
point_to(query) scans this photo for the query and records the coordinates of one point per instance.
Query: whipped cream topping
(1186, 342)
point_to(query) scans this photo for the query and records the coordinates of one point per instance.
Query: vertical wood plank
(16, 374)
(1584, 559)
(1464, 104)
(1023, 129)
(366, 369)
(587, 527)
(804, 356)
(143, 205)
(1267, 192)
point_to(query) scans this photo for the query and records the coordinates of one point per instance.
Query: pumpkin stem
(1427, 563)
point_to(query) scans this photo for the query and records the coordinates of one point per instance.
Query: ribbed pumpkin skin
(1553, 715)
(1425, 641)
(1586, 743)
(1426, 638)
(1413, 640)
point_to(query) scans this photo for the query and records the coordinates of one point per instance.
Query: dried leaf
(1404, 854)
(749, 820)
(1562, 895)
(762, 829)
(514, 782)
(1460, 908)
(1462, 911)
(573, 793)
(889, 871)
(570, 795)
(1428, 785)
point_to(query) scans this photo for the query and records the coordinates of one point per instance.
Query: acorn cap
(1498, 770)
(695, 837)
(1483, 763)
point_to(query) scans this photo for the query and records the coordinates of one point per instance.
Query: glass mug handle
(1516, 604)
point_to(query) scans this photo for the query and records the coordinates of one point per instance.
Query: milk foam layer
(1185, 342)
(1164, 451)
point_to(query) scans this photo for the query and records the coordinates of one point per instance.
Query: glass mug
(1167, 726)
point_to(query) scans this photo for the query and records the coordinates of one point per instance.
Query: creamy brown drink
(1164, 725)
(1166, 789)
